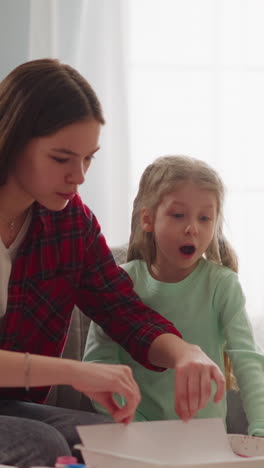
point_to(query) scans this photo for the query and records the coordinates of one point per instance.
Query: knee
(49, 444)
(25, 443)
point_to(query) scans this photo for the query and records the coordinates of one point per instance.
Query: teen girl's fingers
(198, 388)
(129, 390)
(106, 400)
(97, 380)
(124, 385)
(181, 394)
(194, 391)
(219, 379)
(126, 414)
(121, 415)
(205, 388)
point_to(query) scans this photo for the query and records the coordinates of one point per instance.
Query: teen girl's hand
(99, 382)
(194, 372)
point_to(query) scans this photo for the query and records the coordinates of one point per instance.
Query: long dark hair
(38, 98)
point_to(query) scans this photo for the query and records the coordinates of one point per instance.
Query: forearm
(41, 370)
(97, 381)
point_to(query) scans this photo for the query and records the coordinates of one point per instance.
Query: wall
(14, 34)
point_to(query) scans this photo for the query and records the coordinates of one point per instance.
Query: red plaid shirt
(64, 260)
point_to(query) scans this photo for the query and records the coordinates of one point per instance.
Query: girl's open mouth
(187, 250)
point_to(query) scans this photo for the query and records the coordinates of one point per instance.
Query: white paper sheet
(174, 443)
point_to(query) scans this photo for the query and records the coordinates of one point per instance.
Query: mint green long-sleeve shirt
(208, 308)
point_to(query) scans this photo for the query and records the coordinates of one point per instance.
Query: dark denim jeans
(33, 434)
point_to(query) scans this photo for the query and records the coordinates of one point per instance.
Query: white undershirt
(7, 257)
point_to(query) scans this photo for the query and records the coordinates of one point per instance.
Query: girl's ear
(146, 220)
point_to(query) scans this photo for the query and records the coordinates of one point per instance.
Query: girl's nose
(191, 229)
(77, 176)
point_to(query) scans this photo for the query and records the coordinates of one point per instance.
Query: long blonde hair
(160, 178)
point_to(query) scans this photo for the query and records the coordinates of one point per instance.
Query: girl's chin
(54, 206)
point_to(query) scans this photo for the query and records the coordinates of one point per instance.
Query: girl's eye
(178, 215)
(59, 160)
(204, 218)
(89, 158)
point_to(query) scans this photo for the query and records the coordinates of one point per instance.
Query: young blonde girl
(182, 265)
(158, 179)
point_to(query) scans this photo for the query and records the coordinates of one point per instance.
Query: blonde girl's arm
(97, 381)
(246, 357)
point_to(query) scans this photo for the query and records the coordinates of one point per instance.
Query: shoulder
(227, 287)
(220, 280)
(135, 269)
(218, 273)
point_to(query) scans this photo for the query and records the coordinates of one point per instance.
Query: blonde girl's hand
(194, 373)
(99, 382)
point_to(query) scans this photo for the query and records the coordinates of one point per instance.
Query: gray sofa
(67, 397)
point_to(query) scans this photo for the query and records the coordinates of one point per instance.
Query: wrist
(69, 371)
(183, 347)
(50, 370)
(168, 349)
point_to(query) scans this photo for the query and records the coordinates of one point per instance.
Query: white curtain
(194, 70)
(91, 36)
(196, 87)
